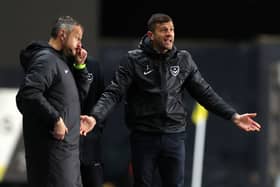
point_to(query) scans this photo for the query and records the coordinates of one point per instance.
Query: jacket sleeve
(205, 95)
(97, 86)
(100, 86)
(31, 97)
(115, 91)
(83, 80)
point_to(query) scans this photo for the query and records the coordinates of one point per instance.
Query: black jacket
(90, 145)
(49, 91)
(154, 84)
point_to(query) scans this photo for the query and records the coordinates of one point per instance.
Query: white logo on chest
(148, 70)
(174, 70)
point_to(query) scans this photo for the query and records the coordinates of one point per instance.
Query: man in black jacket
(153, 79)
(49, 100)
(90, 145)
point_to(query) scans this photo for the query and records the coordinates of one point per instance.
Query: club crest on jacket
(174, 70)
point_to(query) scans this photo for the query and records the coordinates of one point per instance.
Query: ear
(150, 35)
(62, 34)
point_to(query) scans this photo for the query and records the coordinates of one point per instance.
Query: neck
(158, 50)
(55, 43)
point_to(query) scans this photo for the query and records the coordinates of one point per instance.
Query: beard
(68, 55)
(68, 52)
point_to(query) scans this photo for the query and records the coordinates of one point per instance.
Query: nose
(170, 32)
(79, 45)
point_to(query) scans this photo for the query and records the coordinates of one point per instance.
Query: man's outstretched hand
(87, 124)
(245, 122)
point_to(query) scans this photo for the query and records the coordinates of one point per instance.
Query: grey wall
(26, 20)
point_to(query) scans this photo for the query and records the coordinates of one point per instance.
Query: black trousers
(92, 175)
(157, 151)
(52, 164)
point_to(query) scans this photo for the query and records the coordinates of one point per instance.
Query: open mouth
(168, 42)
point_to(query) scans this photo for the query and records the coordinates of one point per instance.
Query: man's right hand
(81, 55)
(60, 129)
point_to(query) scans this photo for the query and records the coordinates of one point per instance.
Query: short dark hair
(63, 22)
(157, 18)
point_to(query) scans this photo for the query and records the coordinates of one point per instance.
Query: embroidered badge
(174, 70)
